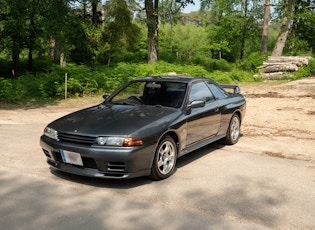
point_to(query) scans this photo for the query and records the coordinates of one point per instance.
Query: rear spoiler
(235, 88)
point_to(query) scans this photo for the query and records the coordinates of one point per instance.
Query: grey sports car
(143, 127)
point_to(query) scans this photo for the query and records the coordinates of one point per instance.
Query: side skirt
(200, 144)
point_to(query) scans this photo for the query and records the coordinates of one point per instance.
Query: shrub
(84, 80)
(212, 64)
(252, 62)
(221, 64)
(305, 71)
(9, 92)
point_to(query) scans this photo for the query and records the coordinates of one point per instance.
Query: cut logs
(278, 67)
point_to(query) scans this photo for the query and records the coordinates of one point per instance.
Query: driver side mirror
(197, 104)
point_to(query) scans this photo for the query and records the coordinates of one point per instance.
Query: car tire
(164, 162)
(234, 131)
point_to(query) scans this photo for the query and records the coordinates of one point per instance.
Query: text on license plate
(71, 157)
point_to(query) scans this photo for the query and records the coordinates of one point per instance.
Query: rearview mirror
(153, 85)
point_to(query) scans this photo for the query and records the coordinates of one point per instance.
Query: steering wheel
(136, 98)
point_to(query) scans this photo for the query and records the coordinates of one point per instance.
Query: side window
(218, 92)
(200, 91)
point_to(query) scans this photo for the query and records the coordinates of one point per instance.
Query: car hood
(111, 119)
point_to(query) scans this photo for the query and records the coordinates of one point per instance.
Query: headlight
(118, 141)
(49, 132)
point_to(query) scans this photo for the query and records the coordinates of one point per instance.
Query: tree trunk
(151, 7)
(52, 48)
(264, 40)
(84, 9)
(244, 30)
(15, 58)
(30, 51)
(31, 38)
(62, 59)
(285, 29)
(94, 12)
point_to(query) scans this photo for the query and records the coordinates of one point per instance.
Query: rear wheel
(165, 159)
(233, 133)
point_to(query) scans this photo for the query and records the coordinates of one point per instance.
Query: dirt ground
(279, 122)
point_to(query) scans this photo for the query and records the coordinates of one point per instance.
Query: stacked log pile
(281, 67)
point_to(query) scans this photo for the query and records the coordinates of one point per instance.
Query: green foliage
(305, 71)
(252, 62)
(241, 76)
(296, 47)
(9, 91)
(232, 27)
(119, 32)
(235, 76)
(212, 64)
(181, 42)
(82, 80)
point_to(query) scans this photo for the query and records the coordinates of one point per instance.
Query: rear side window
(218, 92)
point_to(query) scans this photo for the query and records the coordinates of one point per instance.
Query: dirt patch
(280, 155)
(259, 95)
(280, 120)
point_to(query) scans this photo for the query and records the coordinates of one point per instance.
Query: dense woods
(45, 37)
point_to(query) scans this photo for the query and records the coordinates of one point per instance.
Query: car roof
(176, 78)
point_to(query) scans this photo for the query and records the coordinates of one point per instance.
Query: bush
(9, 92)
(252, 62)
(221, 77)
(103, 79)
(212, 64)
(305, 71)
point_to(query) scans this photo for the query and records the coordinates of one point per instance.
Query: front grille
(88, 140)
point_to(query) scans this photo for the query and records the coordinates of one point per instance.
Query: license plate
(71, 157)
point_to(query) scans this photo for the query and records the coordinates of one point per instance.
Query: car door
(203, 122)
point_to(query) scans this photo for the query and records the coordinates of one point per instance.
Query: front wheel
(233, 133)
(165, 159)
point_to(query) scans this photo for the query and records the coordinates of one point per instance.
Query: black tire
(234, 131)
(164, 162)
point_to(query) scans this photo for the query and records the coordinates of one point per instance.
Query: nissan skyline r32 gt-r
(144, 127)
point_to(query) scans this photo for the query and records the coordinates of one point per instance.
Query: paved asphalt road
(213, 188)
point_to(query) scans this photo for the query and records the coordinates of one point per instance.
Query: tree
(95, 17)
(119, 30)
(302, 36)
(152, 12)
(57, 26)
(14, 28)
(233, 26)
(285, 28)
(182, 42)
(264, 39)
(152, 21)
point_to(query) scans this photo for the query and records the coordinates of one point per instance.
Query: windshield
(169, 94)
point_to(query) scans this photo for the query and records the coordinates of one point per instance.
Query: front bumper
(100, 162)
